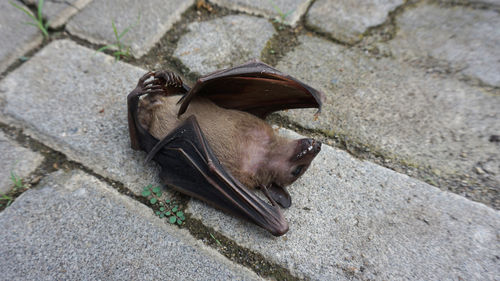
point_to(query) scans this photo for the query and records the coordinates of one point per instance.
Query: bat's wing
(189, 166)
(254, 87)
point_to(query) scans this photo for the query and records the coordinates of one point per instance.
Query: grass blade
(40, 6)
(24, 10)
(44, 30)
(105, 48)
(114, 30)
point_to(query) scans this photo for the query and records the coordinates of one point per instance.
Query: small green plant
(7, 198)
(282, 16)
(36, 21)
(213, 237)
(164, 208)
(121, 49)
(18, 182)
(19, 187)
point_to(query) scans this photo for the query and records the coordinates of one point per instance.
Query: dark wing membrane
(189, 166)
(254, 87)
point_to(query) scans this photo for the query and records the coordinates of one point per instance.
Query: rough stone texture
(356, 220)
(94, 22)
(291, 10)
(347, 20)
(401, 111)
(75, 226)
(58, 12)
(17, 37)
(17, 159)
(212, 45)
(465, 40)
(75, 101)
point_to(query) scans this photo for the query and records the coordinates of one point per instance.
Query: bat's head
(295, 160)
(290, 160)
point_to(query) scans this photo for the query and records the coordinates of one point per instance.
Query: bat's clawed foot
(145, 87)
(168, 78)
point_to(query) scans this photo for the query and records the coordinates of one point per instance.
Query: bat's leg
(136, 132)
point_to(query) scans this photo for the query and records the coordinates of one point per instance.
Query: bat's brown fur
(246, 145)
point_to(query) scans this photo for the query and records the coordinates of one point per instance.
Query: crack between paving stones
(466, 4)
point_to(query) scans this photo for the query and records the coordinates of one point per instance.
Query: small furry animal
(212, 141)
(245, 144)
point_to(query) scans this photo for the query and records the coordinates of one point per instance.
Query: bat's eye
(297, 170)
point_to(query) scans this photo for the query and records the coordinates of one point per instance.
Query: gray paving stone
(292, 10)
(223, 42)
(58, 12)
(93, 23)
(401, 111)
(352, 219)
(74, 100)
(17, 37)
(347, 20)
(17, 159)
(464, 38)
(76, 227)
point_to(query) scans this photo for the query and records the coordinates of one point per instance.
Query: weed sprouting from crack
(37, 21)
(164, 208)
(19, 187)
(18, 182)
(282, 16)
(119, 46)
(216, 240)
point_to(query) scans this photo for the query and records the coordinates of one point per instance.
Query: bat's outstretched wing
(189, 166)
(254, 87)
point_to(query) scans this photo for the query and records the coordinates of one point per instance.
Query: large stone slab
(352, 219)
(75, 226)
(347, 20)
(148, 22)
(223, 42)
(463, 39)
(17, 37)
(15, 159)
(286, 11)
(58, 12)
(75, 101)
(402, 112)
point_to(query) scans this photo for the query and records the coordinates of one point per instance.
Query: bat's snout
(308, 148)
(316, 146)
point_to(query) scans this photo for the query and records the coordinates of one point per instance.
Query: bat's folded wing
(254, 87)
(189, 166)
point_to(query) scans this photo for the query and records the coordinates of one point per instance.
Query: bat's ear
(280, 195)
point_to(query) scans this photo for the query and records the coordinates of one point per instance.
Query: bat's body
(213, 143)
(245, 144)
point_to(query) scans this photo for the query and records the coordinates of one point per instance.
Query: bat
(212, 143)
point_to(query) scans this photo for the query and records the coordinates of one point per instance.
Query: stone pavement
(410, 85)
